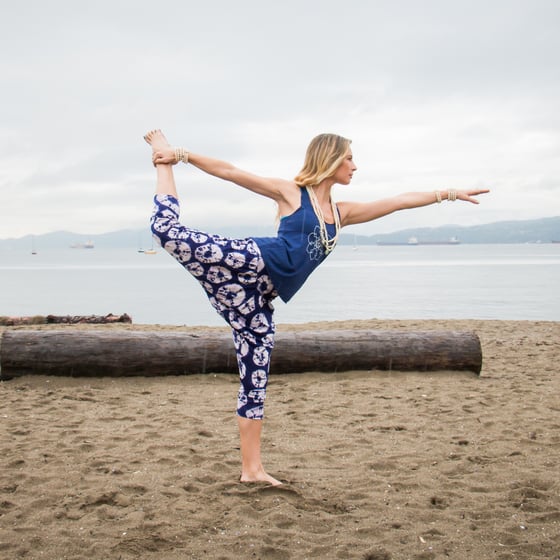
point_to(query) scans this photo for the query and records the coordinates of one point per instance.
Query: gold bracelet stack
(438, 197)
(181, 155)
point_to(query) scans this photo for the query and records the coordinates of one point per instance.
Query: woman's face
(343, 175)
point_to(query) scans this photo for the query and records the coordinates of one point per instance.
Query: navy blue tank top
(296, 251)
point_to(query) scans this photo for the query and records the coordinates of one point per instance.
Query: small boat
(150, 251)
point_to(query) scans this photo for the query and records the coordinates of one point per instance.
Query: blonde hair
(324, 155)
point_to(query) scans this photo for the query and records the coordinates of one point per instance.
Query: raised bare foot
(162, 152)
(157, 140)
(261, 476)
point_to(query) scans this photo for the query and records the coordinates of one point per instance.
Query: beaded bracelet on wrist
(181, 155)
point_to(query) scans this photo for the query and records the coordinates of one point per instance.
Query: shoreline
(374, 322)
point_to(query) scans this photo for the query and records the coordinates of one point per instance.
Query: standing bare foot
(261, 476)
(252, 469)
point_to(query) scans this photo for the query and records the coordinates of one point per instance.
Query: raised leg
(165, 178)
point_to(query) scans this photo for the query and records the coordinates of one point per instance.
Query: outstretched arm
(360, 212)
(269, 187)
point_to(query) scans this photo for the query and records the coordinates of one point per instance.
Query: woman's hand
(467, 196)
(164, 155)
(362, 212)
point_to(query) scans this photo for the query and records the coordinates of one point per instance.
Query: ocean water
(507, 282)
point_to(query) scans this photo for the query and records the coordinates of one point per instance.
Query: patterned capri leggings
(233, 274)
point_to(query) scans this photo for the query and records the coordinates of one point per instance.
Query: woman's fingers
(468, 195)
(164, 156)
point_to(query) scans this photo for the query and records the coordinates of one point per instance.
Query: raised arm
(360, 212)
(265, 186)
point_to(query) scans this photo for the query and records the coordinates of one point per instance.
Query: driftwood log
(65, 320)
(151, 353)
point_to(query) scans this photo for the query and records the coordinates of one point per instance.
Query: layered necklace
(328, 244)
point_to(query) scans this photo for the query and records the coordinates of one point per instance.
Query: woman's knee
(251, 404)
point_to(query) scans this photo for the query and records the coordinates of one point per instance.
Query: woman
(242, 276)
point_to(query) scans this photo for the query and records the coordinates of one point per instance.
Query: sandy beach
(377, 465)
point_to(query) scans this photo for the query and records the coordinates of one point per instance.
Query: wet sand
(377, 465)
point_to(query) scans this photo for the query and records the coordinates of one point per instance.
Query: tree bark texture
(151, 353)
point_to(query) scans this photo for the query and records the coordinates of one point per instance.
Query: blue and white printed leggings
(233, 274)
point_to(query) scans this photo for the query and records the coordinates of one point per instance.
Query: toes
(149, 135)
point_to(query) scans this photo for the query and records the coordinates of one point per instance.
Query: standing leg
(253, 355)
(251, 465)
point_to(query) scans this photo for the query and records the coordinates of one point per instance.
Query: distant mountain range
(544, 230)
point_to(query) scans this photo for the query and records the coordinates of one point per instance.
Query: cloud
(432, 93)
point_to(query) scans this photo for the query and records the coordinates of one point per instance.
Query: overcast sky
(433, 93)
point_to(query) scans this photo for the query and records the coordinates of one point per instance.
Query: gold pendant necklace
(328, 244)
